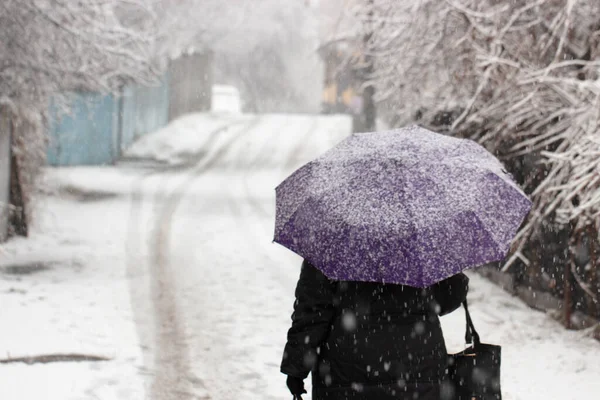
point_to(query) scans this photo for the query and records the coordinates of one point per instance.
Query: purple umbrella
(408, 206)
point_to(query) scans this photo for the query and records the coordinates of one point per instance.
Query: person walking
(367, 340)
(386, 223)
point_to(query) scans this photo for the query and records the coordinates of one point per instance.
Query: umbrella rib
(413, 225)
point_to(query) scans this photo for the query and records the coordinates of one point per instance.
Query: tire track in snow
(300, 147)
(136, 276)
(244, 292)
(257, 210)
(148, 278)
(220, 378)
(173, 378)
(300, 152)
(260, 214)
(240, 291)
(266, 281)
(140, 275)
(262, 158)
(291, 160)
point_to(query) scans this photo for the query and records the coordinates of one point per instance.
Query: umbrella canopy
(408, 206)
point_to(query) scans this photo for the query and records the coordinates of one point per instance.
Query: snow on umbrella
(407, 206)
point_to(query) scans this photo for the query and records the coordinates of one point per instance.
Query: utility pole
(369, 109)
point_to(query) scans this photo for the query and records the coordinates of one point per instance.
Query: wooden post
(567, 302)
(18, 220)
(369, 109)
(592, 274)
(4, 173)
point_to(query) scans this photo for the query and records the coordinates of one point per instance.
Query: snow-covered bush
(52, 46)
(49, 46)
(519, 76)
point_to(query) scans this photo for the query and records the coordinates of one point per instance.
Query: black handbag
(474, 374)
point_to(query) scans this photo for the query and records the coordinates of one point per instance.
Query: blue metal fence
(144, 109)
(86, 135)
(99, 128)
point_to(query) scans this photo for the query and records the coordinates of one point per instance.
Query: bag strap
(471, 335)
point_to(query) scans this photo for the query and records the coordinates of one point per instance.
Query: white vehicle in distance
(226, 99)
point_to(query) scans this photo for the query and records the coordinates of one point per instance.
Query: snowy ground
(168, 269)
(77, 303)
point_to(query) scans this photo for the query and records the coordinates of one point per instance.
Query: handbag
(474, 374)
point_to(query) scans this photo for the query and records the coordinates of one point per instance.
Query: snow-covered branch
(55, 45)
(50, 47)
(521, 77)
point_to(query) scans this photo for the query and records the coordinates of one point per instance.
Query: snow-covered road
(225, 290)
(231, 289)
(211, 295)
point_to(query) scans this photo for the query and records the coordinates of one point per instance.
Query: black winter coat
(365, 340)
